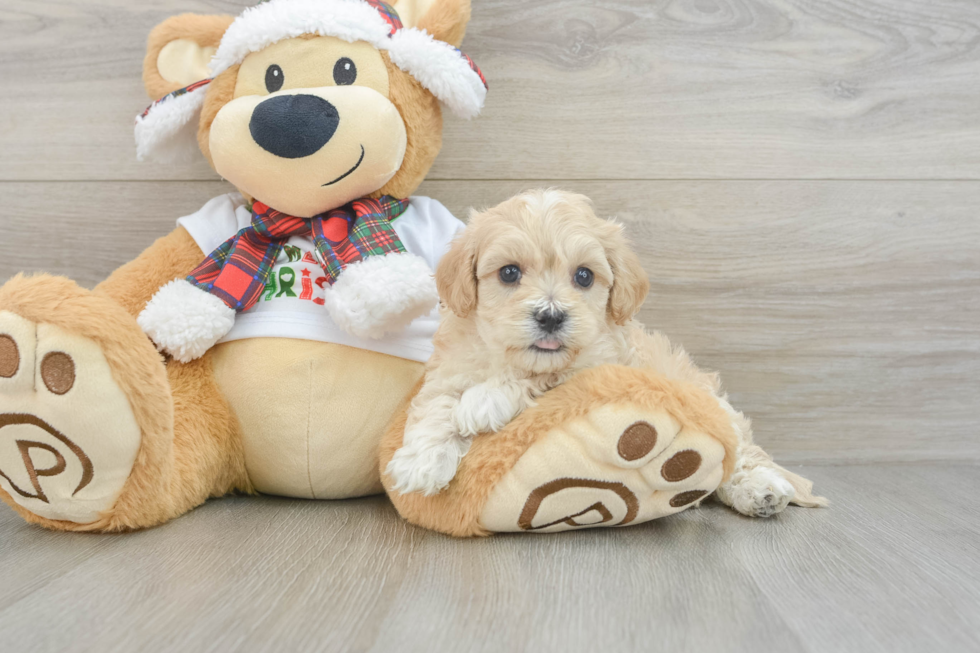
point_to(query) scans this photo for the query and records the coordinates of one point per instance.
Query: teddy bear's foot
(613, 446)
(615, 466)
(87, 439)
(68, 437)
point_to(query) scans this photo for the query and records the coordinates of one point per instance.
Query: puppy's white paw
(757, 492)
(426, 468)
(484, 408)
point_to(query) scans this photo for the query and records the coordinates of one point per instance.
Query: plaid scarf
(237, 272)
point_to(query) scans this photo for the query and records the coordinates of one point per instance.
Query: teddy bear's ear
(444, 19)
(179, 50)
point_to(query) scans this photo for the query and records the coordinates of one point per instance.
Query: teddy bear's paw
(426, 467)
(68, 436)
(758, 491)
(382, 295)
(185, 321)
(618, 465)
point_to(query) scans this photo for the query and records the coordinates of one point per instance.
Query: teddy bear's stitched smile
(356, 166)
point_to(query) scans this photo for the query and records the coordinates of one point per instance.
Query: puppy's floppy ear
(179, 50)
(456, 275)
(630, 282)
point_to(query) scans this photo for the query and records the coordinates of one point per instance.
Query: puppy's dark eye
(584, 277)
(510, 274)
(344, 72)
(274, 78)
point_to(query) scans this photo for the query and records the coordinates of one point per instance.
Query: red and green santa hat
(167, 129)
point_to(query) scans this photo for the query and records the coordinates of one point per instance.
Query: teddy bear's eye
(274, 78)
(344, 72)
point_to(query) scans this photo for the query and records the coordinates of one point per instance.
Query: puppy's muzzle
(550, 320)
(294, 126)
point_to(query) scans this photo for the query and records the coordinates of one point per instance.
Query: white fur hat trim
(167, 130)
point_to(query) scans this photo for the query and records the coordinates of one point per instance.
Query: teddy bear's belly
(312, 414)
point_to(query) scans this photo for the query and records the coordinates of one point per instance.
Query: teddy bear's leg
(96, 432)
(611, 447)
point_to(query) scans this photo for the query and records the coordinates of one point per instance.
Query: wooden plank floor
(802, 180)
(893, 567)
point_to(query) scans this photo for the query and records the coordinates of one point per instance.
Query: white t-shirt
(291, 306)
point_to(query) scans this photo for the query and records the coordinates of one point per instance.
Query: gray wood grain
(844, 316)
(579, 90)
(893, 566)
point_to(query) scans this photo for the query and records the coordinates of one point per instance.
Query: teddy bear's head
(306, 105)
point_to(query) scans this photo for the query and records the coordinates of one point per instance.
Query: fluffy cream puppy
(535, 290)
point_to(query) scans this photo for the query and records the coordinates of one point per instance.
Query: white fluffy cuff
(168, 133)
(382, 294)
(185, 321)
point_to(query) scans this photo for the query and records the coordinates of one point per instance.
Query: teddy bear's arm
(171, 257)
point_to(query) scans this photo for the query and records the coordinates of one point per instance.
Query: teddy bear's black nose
(293, 126)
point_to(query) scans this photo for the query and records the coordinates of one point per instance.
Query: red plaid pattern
(474, 68)
(238, 270)
(388, 13)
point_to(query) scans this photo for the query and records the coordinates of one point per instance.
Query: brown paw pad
(685, 498)
(681, 465)
(619, 465)
(9, 357)
(637, 441)
(58, 372)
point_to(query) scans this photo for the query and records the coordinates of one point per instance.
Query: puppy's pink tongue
(548, 344)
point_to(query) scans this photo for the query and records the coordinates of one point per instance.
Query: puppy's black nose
(293, 126)
(550, 320)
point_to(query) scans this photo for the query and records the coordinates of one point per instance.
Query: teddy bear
(272, 341)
